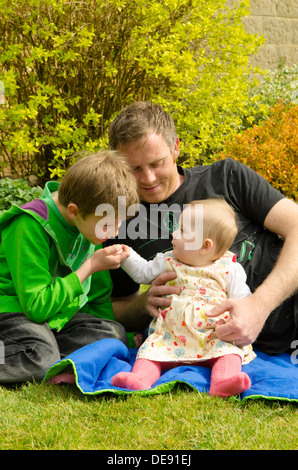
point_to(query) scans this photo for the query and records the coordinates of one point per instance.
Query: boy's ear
(207, 246)
(72, 211)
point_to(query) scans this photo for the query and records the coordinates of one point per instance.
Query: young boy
(55, 290)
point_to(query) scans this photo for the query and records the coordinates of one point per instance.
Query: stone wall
(277, 21)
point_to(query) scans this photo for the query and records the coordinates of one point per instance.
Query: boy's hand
(102, 260)
(110, 257)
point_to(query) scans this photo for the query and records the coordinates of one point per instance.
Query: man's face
(154, 167)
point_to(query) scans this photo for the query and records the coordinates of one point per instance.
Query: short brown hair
(140, 119)
(219, 223)
(98, 179)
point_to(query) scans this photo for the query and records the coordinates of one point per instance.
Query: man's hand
(245, 323)
(157, 292)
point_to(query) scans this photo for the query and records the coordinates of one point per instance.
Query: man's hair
(98, 179)
(219, 223)
(139, 120)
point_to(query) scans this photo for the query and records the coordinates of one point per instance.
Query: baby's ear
(207, 246)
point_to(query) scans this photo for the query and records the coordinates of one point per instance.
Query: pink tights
(226, 377)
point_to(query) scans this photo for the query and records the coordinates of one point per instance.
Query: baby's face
(188, 238)
(189, 245)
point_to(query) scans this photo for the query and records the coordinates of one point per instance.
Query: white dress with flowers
(182, 332)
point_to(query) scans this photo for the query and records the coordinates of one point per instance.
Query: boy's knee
(28, 354)
(122, 335)
(113, 329)
(40, 360)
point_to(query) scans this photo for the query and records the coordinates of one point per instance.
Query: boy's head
(98, 179)
(96, 192)
(207, 230)
(139, 120)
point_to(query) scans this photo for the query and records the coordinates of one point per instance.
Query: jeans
(28, 349)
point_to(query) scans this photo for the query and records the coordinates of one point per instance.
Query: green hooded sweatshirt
(39, 253)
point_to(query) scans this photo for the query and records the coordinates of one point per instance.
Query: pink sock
(143, 375)
(227, 378)
(66, 377)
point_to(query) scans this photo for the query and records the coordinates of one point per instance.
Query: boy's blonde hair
(98, 179)
(219, 223)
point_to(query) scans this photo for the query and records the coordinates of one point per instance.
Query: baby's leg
(227, 377)
(143, 375)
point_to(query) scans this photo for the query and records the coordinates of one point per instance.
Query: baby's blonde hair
(98, 179)
(219, 223)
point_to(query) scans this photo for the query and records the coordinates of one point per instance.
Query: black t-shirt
(149, 232)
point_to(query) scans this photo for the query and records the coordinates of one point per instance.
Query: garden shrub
(70, 67)
(275, 85)
(271, 148)
(279, 84)
(17, 192)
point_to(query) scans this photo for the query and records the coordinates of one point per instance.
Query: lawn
(50, 417)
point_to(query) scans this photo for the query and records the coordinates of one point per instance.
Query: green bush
(70, 67)
(279, 84)
(276, 85)
(17, 192)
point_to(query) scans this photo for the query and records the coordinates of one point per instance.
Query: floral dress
(182, 332)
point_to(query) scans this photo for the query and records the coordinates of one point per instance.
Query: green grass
(49, 417)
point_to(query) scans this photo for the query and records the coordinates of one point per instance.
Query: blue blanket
(272, 377)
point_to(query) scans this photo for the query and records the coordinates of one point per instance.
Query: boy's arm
(99, 296)
(27, 249)
(102, 260)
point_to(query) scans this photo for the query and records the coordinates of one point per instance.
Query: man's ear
(176, 149)
(207, 246)
(72, 211)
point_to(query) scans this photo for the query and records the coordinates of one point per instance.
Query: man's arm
(249, 315)
(282, 282)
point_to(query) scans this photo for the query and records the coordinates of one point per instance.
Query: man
(266, 244)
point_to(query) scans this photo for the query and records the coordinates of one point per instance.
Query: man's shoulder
(217, 165)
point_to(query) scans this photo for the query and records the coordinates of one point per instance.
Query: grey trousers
(28, 349)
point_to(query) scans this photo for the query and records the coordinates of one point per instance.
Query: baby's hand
(123, 249)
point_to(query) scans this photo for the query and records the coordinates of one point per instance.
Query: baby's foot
(67, 377)
(130, 381)
(231, 386)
